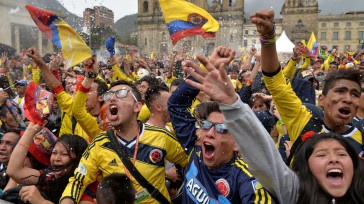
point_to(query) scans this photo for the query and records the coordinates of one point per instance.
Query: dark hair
(134, 90)
(200, 110)
(211, 107)
(153, 93)
(176, 82)
(114, 189)
(5, 85)
(152, 81)
(3, 111)
(102, 88)
(54, 187)
(310, 190)
(13, 130)
(348, 74)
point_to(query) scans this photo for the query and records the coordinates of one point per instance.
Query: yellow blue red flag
(74, 49)
(313, 45)
(186, 19)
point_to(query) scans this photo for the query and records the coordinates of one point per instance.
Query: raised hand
(221, 55)
(264, 20)
(215, 83)
(34, 54)
(296, 53)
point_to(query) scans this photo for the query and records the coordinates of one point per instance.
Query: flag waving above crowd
(74, 49)
(186, 19)
(313, 45)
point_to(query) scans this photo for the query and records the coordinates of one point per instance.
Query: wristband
(57, 90)
(83, 89)
(90, 75)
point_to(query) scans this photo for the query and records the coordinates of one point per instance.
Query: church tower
(299, 18)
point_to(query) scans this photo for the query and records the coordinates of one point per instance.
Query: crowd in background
(186, 137)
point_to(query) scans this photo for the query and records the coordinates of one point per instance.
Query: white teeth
(208, 144)
(334, 171)
(113, 106)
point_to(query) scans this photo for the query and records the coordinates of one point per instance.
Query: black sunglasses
(219, 127)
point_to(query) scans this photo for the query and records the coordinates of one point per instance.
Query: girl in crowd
(326, 168)
(64, 159)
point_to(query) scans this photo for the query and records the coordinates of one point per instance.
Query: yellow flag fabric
(74, 49)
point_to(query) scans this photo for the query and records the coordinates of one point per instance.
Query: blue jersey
(230, 183)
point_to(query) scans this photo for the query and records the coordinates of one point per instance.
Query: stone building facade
(19, 31)
(299, 19)
(343, 32)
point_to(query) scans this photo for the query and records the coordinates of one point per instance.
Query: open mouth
(113, 110)
(335, 176)
(209, 149)
(345, 111)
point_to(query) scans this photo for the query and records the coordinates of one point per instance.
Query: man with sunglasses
(148, 147)
(215, 173)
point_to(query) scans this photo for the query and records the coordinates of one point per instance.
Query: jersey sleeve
(84, 174)
(182, 120)
(294, 115)
(84, 119)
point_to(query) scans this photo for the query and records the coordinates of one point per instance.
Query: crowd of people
(216, 129)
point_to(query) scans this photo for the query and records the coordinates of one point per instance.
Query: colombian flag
(186, 19)
(74, 49)
(313, 45)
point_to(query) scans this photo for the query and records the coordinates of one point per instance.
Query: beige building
(299, 19)
(98, 16)
(153, 34)
(343, 32)
(19, 31)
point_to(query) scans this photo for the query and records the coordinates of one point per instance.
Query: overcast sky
(120, 8)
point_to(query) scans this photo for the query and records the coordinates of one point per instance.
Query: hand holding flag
(74, 49)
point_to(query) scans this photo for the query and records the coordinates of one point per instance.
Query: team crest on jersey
(82, 169)
(156, 155)
(256, 185)
(223, 186)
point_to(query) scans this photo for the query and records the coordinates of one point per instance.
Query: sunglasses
(219, 127)
(121, 93)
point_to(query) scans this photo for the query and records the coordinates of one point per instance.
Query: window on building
(347, 47)
(360, 35)
(299, 21)
(163, 36)
(335, 47)
(254, 41)
(245, 43)
(246, 32)
(361, 24)
(335, 35)
(336, 24)
(231, 38)
(255, 32)
(146, 41)
(232, 2)
(347, 35)
(323, 35)
(145, 6)
(348, 24)
(323, 25)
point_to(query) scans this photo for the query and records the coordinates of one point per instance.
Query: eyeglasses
(219, 127)
(121, 93)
